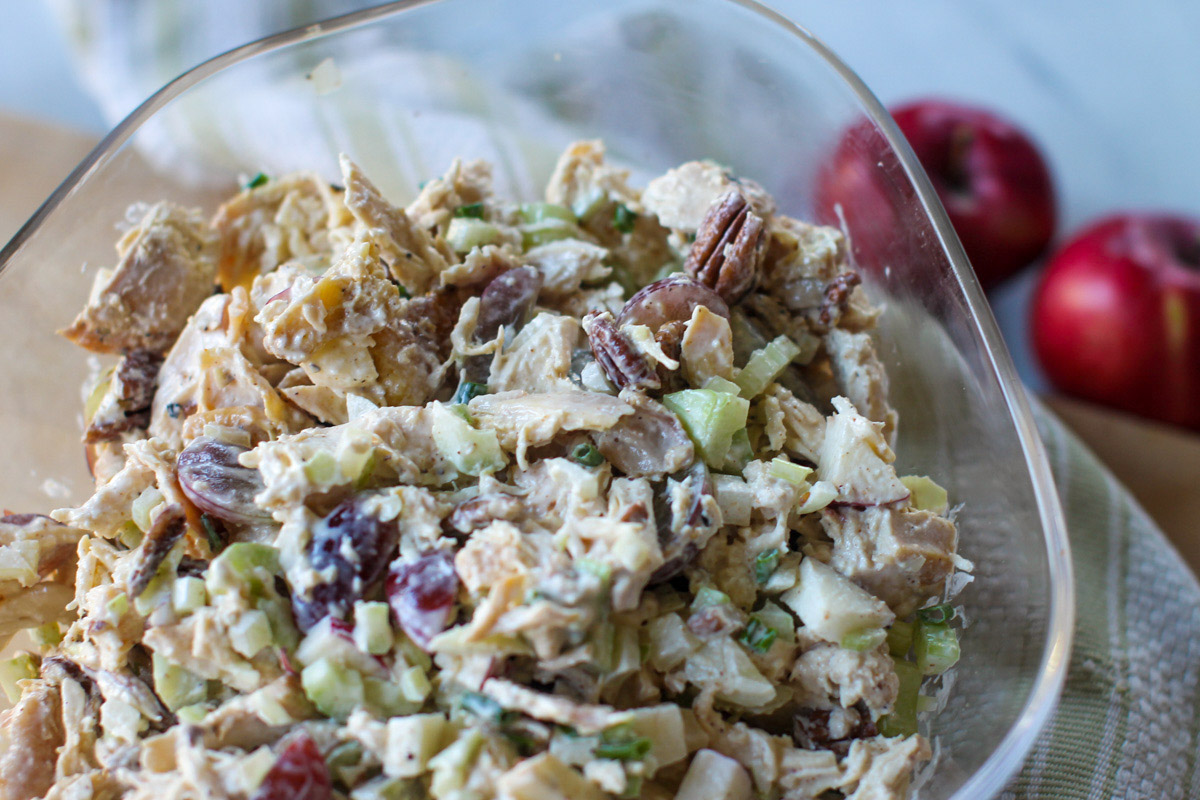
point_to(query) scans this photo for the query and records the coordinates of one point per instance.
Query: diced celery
(925, 703)
(795, 474)
(251, 633)
(321, 467)
(711, 419)
(415, 685)
(741, 452)
(587, 204)
(925, 494)
(765, 365)
(94, 398)
(384, 787)
(247, 567)
(465, 234)
(820, 495)
(550, 230)
(188, 595)
(935, 645)
(268, 708)
(670, 642)
(541, 212)
(130, 535)
(385, 698)
(864, 639)
(903, 719)
(470, 450)
(942, 612)
(20, 667)
(373, 627)
(46, 635)
(193, 714)
(226, 433)
(177, 686)
(118, 607)
(718, 384)
(735, 497)
(708, 596)
(900, 638)
(254, 767)
(334, 689)
(145, 502)
(450, 767)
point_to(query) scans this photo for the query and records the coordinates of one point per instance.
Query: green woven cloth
(1128, 724)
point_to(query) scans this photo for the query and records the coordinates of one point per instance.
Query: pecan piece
(728, 252)
(134, 382)
(481, 510)
(837, 296)
(622, 363)
(169, 527)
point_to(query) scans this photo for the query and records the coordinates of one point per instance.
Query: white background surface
(1110, 90)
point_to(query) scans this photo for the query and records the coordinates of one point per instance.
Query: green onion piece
(585, 453)
(468, 391)
(633, 786)
(943, 612)
(765, 365)
(525, 744)
(864, 639)
(469, 211)
(900, 638)
(404, 293)
(484, 707)
(623, 218)
(621, 743)
(765, 564)
(215, 541)
(259, 179)
(903, 719)
(758, 636)
(936, 647)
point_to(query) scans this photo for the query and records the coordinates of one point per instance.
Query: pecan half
(622, 363)
(134, 382)
(481, 510)
(169, 527)
(728, 252)
(837, 296)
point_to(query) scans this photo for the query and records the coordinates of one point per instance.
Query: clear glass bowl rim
(1008, 757)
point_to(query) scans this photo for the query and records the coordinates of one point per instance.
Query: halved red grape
(300, 773)
(421, 594)
(669, 300)
(212, 478)
(358, 546)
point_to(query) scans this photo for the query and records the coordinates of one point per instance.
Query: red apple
(1116, 316)
(991, 179)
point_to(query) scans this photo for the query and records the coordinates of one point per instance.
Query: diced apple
(713, 776)
(832, 606)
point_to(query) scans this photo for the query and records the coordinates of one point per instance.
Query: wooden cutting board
(1160, 465)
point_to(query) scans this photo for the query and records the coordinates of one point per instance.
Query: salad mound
(591, 497)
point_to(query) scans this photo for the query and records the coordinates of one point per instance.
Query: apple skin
(991, 179)
(1116, 316)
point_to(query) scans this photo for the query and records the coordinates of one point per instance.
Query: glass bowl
(405, 88)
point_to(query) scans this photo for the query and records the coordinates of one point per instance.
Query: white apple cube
(831, 606)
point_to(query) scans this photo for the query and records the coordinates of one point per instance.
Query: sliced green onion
(469, 211)
(623, 218)
(795, 474)
(484, 707)
(900, 638)
(903, 719)
(758, 636)
(585, 453)
(215, 541)
(936, 647)
(765, 564)
(943, 612)
(622, 744)
(633, 786)
(259, 179)
(765, 365)
(865, 639)
(468, 391)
